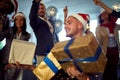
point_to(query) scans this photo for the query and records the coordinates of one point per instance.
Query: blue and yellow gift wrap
(84, 53)
(47, 68)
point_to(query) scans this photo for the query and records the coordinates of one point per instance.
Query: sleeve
(115, 14)
(33, 16)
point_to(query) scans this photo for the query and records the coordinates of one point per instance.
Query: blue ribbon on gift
(83, 60)
(51, 64)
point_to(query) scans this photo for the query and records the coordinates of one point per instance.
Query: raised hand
(38, 0)
(97, 2)
(65, 10)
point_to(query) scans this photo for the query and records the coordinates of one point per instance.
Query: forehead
(19, 17)
(41, 5)
(71, 18)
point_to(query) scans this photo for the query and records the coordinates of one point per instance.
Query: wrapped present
(84, 53)
(22, 51)
(47, 68)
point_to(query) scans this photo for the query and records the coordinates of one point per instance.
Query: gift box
(22, 51)
(47, 68)
(84, 53)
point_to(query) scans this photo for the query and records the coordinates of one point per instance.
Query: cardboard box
(83, 51)
(22, 51)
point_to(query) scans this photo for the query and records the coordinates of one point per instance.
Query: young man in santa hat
(76, 25)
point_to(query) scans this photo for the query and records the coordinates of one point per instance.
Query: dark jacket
(41, 30)
(115, 14)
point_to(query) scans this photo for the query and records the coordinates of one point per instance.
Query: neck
(19, 30)
(78, 35)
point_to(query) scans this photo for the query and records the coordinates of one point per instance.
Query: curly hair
(6, 7)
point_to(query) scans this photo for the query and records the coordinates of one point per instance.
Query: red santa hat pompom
(83, 18)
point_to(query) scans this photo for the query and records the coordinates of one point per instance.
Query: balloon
(58, 25)
(51, 11)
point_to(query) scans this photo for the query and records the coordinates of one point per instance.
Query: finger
(18, 64)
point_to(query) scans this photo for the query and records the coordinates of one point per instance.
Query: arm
(65, 10)
(108, 9)
(19, 66)
(33, 16)
(100, 3)
(75, 73)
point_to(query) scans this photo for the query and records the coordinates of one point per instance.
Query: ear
(80, 25)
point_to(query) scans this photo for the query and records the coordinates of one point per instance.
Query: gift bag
(22, 51)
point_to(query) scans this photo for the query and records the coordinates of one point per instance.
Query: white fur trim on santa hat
(19, 14)
(41, 2)
(78, 17)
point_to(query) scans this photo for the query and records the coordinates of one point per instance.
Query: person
(6, 7)
(77, 25)
(108, 9)
(18, 32)
(42, 28)
(106, 38)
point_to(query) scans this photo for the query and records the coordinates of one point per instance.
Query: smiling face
(19, 21)
(104, 15)
(41, 10)
(73, 27)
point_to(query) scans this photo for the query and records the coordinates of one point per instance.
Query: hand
(73, 72)
(37, 0)
(31, 67)
(18, 65)
(23, 66)
(65, 10)
(97, 2)
(12, 65)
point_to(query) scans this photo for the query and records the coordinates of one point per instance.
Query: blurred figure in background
(107, 9)
(107, 40)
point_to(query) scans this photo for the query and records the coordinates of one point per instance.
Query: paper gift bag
(22, 51)
(84, 53)
(47, 68)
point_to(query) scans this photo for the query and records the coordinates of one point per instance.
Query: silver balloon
(58, 25)
(51, 11)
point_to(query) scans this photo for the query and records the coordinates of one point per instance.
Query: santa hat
(41, 2)
(15, 3)
(83, 18)
(19, 14)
